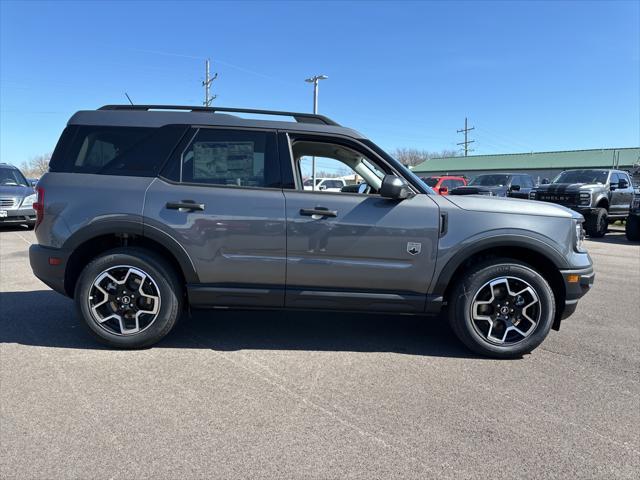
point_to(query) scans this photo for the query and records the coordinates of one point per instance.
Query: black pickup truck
(600, 195)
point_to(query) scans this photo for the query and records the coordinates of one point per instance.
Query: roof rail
(299, 117)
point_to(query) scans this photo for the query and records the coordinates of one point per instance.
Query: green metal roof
(532, 161)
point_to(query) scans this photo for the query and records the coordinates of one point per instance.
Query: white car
(325, 184)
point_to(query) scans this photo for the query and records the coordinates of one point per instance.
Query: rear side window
(226, 157)
(135, 151)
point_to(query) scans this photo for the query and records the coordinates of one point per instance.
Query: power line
(206, 83)
(466, 142)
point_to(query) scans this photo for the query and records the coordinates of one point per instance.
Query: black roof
(159, 115)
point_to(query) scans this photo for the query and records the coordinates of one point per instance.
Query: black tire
(632, 228)
(473, 282)
(596, 223)
(161, 278)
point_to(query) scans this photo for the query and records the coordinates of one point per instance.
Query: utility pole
(466, 142)
(315, 79)
(208, 80)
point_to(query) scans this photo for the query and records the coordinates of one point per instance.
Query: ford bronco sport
(149, 209)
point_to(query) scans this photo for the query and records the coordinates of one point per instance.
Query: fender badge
(414, 248)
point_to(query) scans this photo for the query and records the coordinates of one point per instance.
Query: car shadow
(614, 237)
(44, 318)
(15, 227)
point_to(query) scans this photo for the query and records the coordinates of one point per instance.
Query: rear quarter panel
(76, 203)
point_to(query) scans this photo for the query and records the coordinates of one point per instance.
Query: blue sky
(530, 76)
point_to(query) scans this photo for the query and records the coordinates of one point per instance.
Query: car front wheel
(129, 298)
(596, 223)
(502, 308)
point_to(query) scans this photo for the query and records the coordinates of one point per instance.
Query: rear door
(220, 197)
(366, 252)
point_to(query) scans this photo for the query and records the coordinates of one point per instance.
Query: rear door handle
(322, 211)
(186, 205)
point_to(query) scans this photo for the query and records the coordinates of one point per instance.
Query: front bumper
(576, 283)
(49, 265)
(17, 215)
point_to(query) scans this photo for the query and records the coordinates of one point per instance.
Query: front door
(354, 249)
(221, 200)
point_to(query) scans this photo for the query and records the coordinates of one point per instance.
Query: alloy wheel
(124, 300)
(505, 310)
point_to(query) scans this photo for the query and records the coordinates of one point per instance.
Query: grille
(7, 202)
(562, 198)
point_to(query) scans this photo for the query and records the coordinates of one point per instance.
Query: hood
(567, 187)
(15, 191)
(511, 205)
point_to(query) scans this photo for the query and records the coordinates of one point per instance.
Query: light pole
(315, 79)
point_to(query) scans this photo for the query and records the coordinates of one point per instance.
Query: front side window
(431, 181)
(338, 168)
(231, 158)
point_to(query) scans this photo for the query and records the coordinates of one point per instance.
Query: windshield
(431, 181)
(12, 177)
(582, 176)
(490, 180)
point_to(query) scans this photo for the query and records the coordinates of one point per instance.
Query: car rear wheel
(129, 298)
(632, 228)
(596, 223)
(501, 308)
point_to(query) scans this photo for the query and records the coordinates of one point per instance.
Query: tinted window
(582, 176)
(231, 157)
(452, 183)
(12, 177)
(115, 150)
(527, 181)
(490, 180)
(431, 181)
(333, 184)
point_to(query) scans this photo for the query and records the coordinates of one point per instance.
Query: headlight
(585, 198)
(29, 200)
(579, 238)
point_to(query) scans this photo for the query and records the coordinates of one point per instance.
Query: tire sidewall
(484, 274)
(162, 275)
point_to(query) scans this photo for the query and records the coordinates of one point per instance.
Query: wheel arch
(603, 202)
(97, 238)
(542, 258)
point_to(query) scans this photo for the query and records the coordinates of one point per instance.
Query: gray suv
(149, 209)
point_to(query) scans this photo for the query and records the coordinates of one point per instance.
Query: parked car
(146, 210)
(632, 227)
(442, 185)
(16, 197)
(600, 195)
(516, 185)
(328, 184)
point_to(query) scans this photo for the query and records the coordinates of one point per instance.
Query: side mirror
(613, 186)
(515, 188)
(623, 183)
(545, 181)
(395, 187)
(443, 190)
(322, 187)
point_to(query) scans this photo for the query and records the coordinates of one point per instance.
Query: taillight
(39, 205)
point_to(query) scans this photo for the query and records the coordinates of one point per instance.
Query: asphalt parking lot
(291, 395)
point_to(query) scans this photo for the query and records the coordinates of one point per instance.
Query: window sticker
(223, 159)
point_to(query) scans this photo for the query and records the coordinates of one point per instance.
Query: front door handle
(185, 205)
(321, 211)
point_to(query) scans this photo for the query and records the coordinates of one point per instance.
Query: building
(538, 164)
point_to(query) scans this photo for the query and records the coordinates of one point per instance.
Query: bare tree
(413, 156)
(36, 166)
